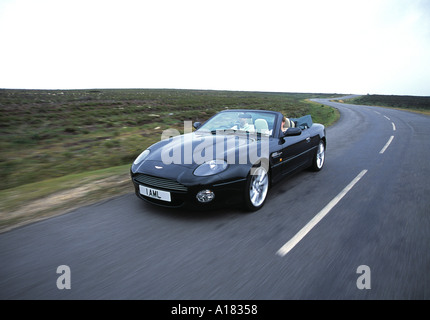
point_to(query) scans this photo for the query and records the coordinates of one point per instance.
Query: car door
(294, 151)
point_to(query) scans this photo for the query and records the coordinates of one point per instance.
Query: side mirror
(197, 125)
(292, 132)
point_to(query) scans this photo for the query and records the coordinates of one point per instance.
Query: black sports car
(234, 157)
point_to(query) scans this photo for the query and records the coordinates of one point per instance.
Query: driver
(287, 123)
(244, 124)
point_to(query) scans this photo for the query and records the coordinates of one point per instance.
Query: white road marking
(394, 126)
(386, 145)
(308, 227)
(387, 118)
(377, 112)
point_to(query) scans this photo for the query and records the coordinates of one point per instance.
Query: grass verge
(323, 114)
(36, 201)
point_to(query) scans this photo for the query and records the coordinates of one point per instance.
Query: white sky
(331, 46)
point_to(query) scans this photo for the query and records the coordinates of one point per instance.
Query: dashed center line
(287, 247)
(386, 145)
(308, 227)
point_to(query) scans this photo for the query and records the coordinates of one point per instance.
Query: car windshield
(241, 121)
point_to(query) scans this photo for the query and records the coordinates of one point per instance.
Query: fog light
(205, 196)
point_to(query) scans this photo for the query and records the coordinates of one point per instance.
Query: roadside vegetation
(410, 103)
(57, 140)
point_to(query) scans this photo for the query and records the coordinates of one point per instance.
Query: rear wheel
(319, 157)
(257, 186)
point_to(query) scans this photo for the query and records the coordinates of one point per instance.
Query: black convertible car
(234, 157)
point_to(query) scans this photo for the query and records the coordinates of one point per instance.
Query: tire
(319, 157)
(257, 187)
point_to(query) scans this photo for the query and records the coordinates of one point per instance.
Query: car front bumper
(185, 195)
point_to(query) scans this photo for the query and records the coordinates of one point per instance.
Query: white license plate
(154, 193)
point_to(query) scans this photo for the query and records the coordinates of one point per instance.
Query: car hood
(192, 149)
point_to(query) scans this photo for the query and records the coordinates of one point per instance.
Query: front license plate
(154, 193)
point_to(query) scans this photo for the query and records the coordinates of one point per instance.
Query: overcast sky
(330, 46)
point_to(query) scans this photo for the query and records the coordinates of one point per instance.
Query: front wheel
(319, 157)
(257, 186)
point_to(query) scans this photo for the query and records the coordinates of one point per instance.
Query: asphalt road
(371, 202)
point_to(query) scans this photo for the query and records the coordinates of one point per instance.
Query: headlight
(142, 156)
(210, 167)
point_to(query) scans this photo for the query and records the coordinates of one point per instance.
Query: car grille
(157, 182)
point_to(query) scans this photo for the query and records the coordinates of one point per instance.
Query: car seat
(261, 126)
